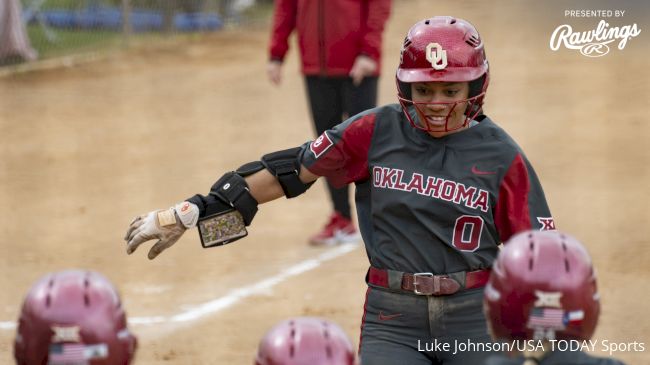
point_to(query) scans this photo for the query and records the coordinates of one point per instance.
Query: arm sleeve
(378, 12)
(284, 21)
(521, 204)
(341, 153)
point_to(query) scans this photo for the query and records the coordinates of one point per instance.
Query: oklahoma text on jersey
(435, 187)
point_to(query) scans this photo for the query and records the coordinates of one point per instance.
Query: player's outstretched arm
(230, 205)
(265, 187)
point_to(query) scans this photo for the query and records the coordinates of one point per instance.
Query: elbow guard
(285, 166)
(231, 191)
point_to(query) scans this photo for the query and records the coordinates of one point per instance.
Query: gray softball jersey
(426, 204)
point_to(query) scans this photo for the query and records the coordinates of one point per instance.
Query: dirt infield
(84, 149)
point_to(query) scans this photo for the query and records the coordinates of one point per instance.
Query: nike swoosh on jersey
(388, 317)
(476, 171)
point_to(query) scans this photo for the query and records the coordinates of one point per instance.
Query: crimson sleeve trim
(511, 214)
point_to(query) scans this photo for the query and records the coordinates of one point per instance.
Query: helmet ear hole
(476, 86)
(405, 90)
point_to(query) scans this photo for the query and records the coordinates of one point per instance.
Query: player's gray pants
(402, 328)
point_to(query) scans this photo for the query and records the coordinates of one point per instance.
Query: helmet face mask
(305, 340)
(443, 49)
(472, 110)
(71, 310)
(542, 286)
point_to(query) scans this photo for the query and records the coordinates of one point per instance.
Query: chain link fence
(33, 30)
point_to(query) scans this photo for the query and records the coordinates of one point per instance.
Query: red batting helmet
(73, 317)
(305, 341)
(543, 286)
(443, 49)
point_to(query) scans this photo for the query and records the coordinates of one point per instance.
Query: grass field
(70, 41)
(63, 42)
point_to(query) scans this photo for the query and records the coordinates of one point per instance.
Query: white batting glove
(165, 225)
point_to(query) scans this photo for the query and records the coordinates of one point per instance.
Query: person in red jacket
(340, 49)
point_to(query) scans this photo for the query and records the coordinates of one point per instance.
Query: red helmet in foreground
(543, 286)
(73, 317)
(305, 341)
(443, 49)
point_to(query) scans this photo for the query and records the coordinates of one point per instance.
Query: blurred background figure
(231, 10)
(14, 43)
(73, 317)
(228, 11)
(305, 341)
(340, 48)
(543, 287)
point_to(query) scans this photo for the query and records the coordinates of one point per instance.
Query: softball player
(543, 288)
(438, 187)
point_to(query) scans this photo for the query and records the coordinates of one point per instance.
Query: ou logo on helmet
(437, 56)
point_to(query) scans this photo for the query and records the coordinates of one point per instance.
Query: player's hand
(165, 225)
(363, 66)
(274, 71)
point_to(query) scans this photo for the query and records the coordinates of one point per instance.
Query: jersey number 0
(467, 232)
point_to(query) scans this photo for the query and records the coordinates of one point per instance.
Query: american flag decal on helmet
(76, 353)
(67, 353)
(546, 318)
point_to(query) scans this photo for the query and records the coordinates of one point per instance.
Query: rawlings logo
(185, 207)
(592, 43)
(437, 56)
